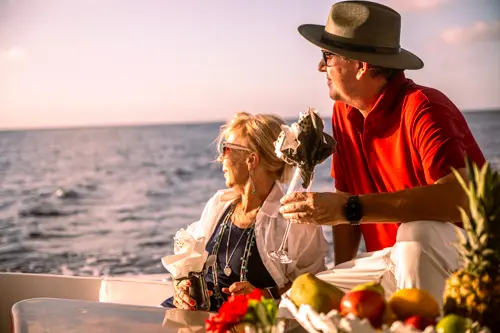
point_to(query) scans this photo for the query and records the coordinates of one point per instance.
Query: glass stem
(296, 179)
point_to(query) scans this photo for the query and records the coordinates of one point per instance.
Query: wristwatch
(353, 210)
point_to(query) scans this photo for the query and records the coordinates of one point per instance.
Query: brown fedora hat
(364, 31)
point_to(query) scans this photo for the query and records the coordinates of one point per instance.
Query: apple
(365, 303)
(420, 323)
(453, 323)
(375, 286)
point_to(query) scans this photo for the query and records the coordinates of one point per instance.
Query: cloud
(479, 31)
(14, 54)
(414, 5)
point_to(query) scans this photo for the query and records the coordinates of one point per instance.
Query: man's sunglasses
(225, 147)
(327, 56)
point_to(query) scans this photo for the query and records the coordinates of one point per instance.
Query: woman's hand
(182, 300)
(239, 288)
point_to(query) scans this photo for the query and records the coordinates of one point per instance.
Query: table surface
(42, 315)
(53, 315)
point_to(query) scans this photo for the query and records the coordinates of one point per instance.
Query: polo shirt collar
(384, 104)
(389, 94)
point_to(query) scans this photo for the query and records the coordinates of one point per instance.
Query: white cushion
(143, 290)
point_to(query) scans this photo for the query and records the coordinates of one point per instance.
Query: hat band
(361, 48)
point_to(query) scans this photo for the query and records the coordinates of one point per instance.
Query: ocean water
(108, 201)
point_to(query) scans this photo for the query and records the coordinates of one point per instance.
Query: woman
(242, 223)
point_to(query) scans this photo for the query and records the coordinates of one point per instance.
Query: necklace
(250, 242)
(227, 269)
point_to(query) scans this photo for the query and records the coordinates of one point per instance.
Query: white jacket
(307, 245)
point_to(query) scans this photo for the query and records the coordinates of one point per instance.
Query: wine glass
(281, 254)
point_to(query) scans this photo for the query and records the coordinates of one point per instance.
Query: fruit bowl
(333, 322)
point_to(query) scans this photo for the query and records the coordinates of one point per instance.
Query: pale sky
(102, 62)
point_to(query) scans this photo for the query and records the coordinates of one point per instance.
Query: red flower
(256, 294)
(231, 312)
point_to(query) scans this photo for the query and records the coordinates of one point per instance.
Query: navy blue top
(257, 273)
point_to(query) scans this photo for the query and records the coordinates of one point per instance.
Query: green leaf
(487, 252)
(483, 239)
(461, 181)
(476, 176)
(482, 180)
(260, 311)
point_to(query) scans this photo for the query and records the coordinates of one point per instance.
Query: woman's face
(233, 158)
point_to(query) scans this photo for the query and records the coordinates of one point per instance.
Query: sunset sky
(105, 62)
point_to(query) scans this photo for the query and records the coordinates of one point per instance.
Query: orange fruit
(405, 303)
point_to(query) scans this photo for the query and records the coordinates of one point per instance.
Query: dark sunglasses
(225, 147)
(326, 56)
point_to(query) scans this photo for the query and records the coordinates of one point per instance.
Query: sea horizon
(288, 119)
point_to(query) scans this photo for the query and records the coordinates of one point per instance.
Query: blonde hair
(260, 131)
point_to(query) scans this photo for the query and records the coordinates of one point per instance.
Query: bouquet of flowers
(253, 312)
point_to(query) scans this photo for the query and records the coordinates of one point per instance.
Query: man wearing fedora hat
(397, 143)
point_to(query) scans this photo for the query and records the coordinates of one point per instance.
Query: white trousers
(423, 257)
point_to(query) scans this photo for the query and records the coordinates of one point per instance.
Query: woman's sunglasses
(225, 147)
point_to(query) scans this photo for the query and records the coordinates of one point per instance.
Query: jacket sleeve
(310, 248)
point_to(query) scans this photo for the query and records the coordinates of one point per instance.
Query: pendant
(227, 270)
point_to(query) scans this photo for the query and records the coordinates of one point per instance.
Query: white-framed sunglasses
(225, 147)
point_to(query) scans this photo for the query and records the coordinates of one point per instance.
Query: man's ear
(363, 68)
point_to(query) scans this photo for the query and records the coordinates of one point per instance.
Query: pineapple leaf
(482, 180)
(487, 252)
(475, 176)
(470, 168)
(461, 181)
(483, 239)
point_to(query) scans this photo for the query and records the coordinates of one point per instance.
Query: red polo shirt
(412, 137)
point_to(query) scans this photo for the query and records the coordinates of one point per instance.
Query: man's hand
(316, 208)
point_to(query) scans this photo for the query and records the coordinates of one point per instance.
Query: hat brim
(402, 60)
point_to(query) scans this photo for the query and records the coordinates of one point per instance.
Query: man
(397, 143)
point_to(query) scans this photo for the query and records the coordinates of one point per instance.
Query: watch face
(353, 211)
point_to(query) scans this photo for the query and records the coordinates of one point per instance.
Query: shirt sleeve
(337, 174)
(336, 167)
(310, 248)
(437, 135)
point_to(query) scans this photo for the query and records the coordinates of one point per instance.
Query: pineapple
(474, 291)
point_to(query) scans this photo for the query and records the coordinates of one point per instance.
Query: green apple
(375, 286)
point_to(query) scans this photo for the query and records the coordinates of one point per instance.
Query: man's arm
(439, 201)
(346, 239)
(433, 202)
